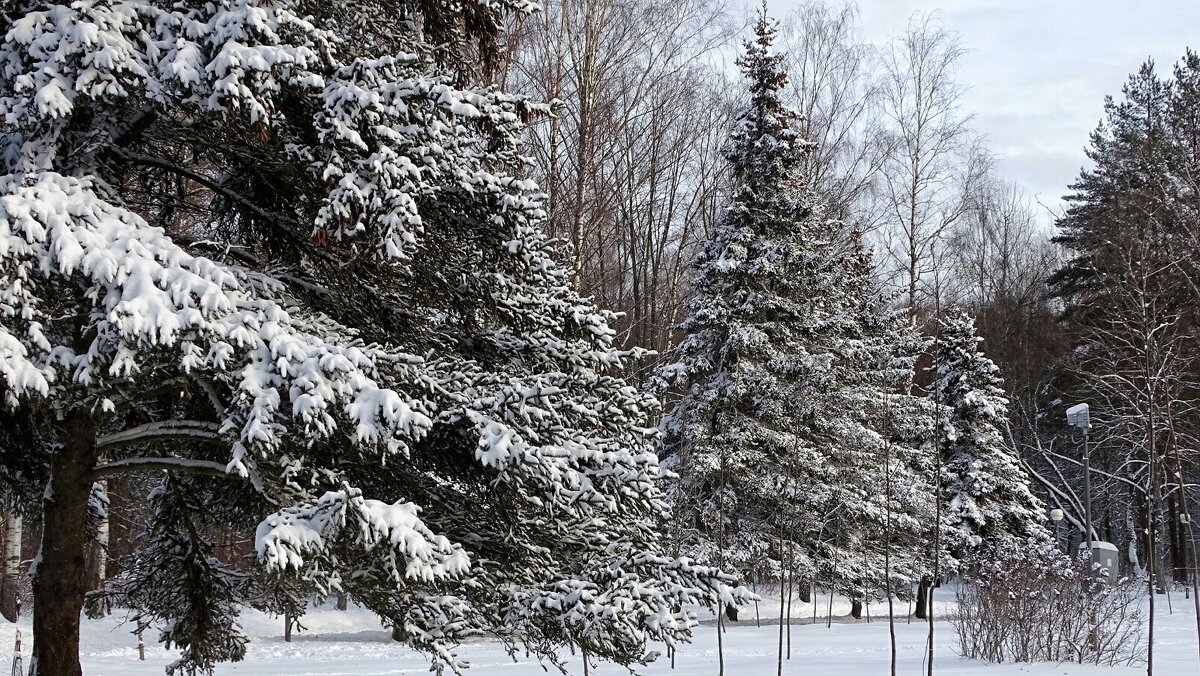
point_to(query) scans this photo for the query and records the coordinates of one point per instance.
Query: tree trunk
(1178, 538)
(731, 612)
(922, 599)
(341, 601)
(98, 552)
(856, 609)
(10, 592)
(60, 581)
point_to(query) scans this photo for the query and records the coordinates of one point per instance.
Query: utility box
(1104, 554)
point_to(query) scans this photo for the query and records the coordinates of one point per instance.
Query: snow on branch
(396, 537)
(151, 305)
(167, 464)
(161, 431)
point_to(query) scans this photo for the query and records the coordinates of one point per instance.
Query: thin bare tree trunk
(10, 599)
(779, 655)
(1151, 550)
(887, 531)
(814, 599)
(720, 642)
(937, 483)
(791, 583)
(1190, 566)
(98, 552)
(829, 612)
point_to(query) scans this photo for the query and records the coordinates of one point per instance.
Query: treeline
(1128, 297)
(632, 161)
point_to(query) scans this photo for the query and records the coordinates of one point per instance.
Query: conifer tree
(730, 435)
(868, 423)
(787, 373)
(986, 499)
(1129, 295)
(290, 276)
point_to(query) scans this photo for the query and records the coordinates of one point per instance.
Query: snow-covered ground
(344, 643)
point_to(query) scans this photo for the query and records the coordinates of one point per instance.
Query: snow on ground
(343, 643)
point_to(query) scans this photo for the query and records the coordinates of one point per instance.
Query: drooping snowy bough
(273, 259)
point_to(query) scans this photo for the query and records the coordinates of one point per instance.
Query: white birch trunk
(11, 589)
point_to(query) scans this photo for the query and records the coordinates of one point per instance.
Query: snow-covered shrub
(1028, 602)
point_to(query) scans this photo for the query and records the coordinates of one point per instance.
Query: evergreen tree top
(1141, 150)
(764, 147)
(968, 380)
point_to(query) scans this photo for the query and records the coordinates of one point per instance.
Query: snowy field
(344, 643)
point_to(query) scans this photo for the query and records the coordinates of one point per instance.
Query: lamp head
(1077, 416)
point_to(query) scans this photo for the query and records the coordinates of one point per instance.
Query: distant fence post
(17, 668)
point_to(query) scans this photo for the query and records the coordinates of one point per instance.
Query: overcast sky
(1038, 70)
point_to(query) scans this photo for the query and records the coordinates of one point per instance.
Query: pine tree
(787, 374)
(1131, 194)
(291, 276)
(986, 499)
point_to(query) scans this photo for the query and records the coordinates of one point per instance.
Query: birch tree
(935, 158)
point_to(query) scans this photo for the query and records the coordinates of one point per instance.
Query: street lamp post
(1077, 416)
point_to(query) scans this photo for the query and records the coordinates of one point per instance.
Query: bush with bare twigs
(1037, 605)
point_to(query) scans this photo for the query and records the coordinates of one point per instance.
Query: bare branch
(166, 430)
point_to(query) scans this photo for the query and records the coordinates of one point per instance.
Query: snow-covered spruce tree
(730, 435)
(874, 438)
(986, 500)
(788, 377)
(287, 274)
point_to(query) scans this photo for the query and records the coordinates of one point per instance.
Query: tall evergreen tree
(785, 373)
(867, 424)
(1141, 189)
(986, 500)
(291, 275)
(756, 279)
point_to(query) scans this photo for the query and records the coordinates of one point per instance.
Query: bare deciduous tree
(996, 258)
(835, 83)
(631, 161)
(935, 159)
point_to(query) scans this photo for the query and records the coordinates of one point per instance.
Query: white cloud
(1038, 70)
